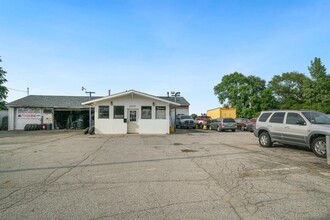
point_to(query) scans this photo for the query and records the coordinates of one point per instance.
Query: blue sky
(56, 47)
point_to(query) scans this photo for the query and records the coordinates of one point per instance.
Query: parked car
(222, 124)
(202, 120)
(250, 126)
(241, 123)
(184, 121)
(302, 128)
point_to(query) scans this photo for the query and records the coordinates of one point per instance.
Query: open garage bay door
(71, 119)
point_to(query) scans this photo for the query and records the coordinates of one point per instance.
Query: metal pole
(90, 109)
(328, 148)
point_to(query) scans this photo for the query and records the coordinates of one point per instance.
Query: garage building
(72, 112)
(59, 112)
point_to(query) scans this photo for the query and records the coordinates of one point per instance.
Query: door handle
(287, 127)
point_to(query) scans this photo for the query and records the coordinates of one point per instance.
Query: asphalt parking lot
(193, 174)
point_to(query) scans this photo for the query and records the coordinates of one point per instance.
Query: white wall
(182, 111)
(21, 122)
(17, 123)
(145, 126)
(11, 118)
(178, 111)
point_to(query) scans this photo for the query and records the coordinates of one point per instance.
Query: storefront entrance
(132, 121)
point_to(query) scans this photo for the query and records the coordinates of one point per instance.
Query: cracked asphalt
(193, 174)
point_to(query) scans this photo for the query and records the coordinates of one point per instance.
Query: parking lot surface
(192, 174)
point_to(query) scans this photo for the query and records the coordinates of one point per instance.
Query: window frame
(99, 112)
(114, 111)
(142, 115)
(275, 114)
(159, 110)
(264, 116)
(293, 113)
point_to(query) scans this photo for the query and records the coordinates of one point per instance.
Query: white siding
(11, 118)
(21, 122)
(145, 126)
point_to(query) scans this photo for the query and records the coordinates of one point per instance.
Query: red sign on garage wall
(28, 113)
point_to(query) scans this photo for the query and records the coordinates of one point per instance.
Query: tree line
(3, 89)
(291, 90)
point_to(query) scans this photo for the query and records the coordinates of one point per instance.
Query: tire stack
(89, 130)
(32, 127)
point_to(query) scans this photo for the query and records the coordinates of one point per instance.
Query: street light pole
(175, 94)
(90, 109)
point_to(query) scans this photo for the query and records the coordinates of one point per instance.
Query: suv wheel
(218, 129)
(319, 147)
(264, 140)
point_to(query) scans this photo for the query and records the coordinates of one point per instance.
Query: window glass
(186, 117)
(316, 117)
(160, 112)
(146, 112)
(264, 116)
(293, 118)
(118, 112)
(132, 116)
(103, 111)
(277, 117)
(231, 120)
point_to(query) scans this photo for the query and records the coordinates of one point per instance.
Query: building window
(118, 112)
(103, 111)
(146, 112)
(160, 112)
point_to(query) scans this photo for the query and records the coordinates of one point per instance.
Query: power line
(17, 90)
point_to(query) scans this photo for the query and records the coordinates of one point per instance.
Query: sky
(56, 47)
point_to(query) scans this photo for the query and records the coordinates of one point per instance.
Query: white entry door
(132, 121)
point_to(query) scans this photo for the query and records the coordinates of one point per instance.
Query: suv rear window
(264, 116)
(229, 120)
(277, 117)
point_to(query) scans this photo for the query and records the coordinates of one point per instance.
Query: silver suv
(302, 128)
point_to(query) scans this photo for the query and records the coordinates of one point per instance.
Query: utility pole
(175, 94)
(90, 109)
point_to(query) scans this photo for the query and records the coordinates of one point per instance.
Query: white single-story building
(134, 112)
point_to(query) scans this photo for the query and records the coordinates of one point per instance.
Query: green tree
(317, 91)
(267, 100)
(288, 90)
(241, 92)
(193, 116)
(228, 90)
(3, 89)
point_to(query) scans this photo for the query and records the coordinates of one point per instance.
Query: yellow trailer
(222, 113)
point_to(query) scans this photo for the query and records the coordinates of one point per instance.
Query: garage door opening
(68, 119)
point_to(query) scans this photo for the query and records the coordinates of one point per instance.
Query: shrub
(4, 124)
